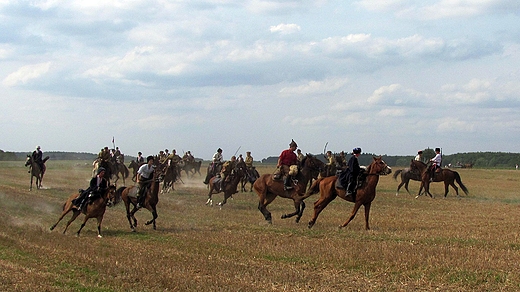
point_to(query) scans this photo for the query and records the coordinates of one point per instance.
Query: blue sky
(391, 77)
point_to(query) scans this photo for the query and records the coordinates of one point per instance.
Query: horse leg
(453, 186)
(300, 214)
(154, 216)
(210, 200)
(30, 186)
(128, 216)
(420, 190)
(367, 215)
(357, 205)
(75, 214)
(319, 205)
(297, 204)
(65, 212)
(262, 206)
(82, 225)
(226, 196)
(99, 219)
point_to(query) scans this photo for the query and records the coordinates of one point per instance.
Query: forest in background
(476, 159)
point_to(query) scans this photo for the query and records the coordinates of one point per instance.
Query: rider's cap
(437, 149)
(101, 169)
(219, 150)
(293, 144)
(419, 152)
(356, 150)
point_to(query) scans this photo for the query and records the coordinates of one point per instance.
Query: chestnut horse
(95, 209)
(448, 176)
(364, 194)
(36, 171)
(129, 196)
(268, 189)
(230, 187)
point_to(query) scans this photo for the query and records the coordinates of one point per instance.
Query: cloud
(26, 73)
(283, 28)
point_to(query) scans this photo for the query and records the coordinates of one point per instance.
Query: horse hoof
(284, 216)
(99, 236)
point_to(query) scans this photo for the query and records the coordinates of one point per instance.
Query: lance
(237, 150)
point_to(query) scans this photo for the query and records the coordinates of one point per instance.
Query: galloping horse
(36, 171)
(447, 176)
(191, 167)
(251, 175)
(364, 196)
(135, 167)
(95, 209)
(230, 187)
(129, 196)
(268, 189)
(406, 175)
(170, 177)
(117, 169)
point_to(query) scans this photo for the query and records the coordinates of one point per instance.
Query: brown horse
(406, 175)
(129, 196)
(95, 209)
(364, 195)
(135, 167)
(191, 167)
(250, 176)
(36, 171)
(230, 187)
(268, 189)
(448, 176)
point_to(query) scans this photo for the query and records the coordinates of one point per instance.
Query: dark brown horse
(135, 167)
(268, 189)
(406, 175)
(448, 176)
(250, 176)
(230, 187)
(191, 167)
(364, 195)
(36, 171)
(95, 209)
(170, 177)
(129, 196)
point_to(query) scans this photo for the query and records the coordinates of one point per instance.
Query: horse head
(111, 196)
(379, 167)
(28, 160)
(416, 165)
(313, 163)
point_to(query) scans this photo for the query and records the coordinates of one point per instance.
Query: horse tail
(315, 187)
(459, 181)
(127, 173)
(118, 196)
(396, 173)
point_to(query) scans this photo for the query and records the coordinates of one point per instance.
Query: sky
(391, 77)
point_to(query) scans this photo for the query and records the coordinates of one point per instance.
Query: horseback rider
(418, 157)
(286, 159)
(349, 176)
(104, 155)
(341, 161)
(140, 158)
(98, 186)
(144, 179)
(249, 160)
(37, 157)
(216, 161)
(300, 156)
(436, 163)
(225, 173)
(331, 163)
(173, 158)
(187, 157)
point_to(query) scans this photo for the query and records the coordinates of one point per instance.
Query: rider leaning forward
(98, 186)
(227, 167)
(144, 179)
(287, 159)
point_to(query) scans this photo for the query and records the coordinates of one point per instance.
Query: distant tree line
(477, 159)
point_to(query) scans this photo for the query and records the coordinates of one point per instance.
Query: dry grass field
(467, 244)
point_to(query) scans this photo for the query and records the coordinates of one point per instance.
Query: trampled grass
(448, 244)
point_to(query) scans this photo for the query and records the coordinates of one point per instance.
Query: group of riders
(287, 168)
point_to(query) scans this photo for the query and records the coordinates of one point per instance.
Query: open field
(415, 244)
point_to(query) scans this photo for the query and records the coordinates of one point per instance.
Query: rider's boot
(288, 183)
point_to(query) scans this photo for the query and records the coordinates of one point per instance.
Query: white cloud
(26, 73)
(284, 28)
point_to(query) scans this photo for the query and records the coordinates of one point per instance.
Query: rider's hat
(101, 169)
(437, 149)
(293, 144)
(139, 153)
(419, 152)
(219, 150)
(356, 150)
